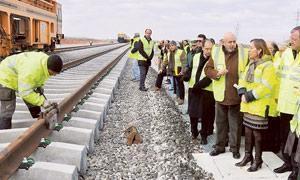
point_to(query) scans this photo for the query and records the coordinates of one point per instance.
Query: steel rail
(12, 156)
(66, 49)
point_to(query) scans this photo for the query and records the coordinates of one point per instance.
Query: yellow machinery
(123, 38)
(29, 24)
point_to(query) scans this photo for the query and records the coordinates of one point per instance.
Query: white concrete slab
(223, 167)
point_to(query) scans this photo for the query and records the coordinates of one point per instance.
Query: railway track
(84, 93)
(65, 49)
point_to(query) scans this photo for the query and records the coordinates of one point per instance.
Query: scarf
(252, 66)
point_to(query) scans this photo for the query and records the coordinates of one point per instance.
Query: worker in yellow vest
(288, 98)
(186, 46)
(145, 49)
(176, 61)
(256, 88)
(133, 57)
(271, 134)
(25, 74)
(201, 103)
(224, 67)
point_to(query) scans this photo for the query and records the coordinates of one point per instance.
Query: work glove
(241, 91)
(47, 104)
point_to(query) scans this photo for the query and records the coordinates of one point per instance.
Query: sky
(181, 19)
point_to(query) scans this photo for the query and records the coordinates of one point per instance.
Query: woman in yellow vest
(256, 86)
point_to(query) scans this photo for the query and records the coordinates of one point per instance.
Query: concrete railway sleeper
(84, 94)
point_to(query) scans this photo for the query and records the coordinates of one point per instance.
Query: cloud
(177, 19)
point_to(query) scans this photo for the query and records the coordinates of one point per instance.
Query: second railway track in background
(74, 48)
(84, 93)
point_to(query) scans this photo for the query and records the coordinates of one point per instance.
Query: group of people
(253, 89)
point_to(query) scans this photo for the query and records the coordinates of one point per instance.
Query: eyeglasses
(200, 41)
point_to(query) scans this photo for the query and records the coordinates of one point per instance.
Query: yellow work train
(123, 38)
(29, 24)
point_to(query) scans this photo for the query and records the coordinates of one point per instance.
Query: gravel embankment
(166, 151)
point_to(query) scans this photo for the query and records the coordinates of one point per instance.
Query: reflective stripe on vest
(219, 63)
(295, 122)
(196, 60)
(148, 47)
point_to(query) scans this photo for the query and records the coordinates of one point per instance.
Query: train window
(52, 28)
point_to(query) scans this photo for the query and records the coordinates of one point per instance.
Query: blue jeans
(171, 87)
(135, 69)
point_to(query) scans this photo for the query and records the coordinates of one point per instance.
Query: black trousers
(194, 126)
(180, 91)
(228, 116)
(160, 78)
(284, 132)
(272, 135)
(143, 73)
(208, 113)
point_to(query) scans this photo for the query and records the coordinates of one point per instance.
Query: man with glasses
(201, 40)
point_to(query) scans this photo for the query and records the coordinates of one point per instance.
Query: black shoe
(293, 175)
(247, 158)
(255, 166)
(236, 155)
(284, 168)
(216, 152)
(203, 141)
(143, 89)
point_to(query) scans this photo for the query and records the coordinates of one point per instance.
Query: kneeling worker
(25, 73)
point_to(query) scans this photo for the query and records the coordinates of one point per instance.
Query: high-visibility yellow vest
(295, 122)
(148, 47)
(185, 48)
(136, 54)
(209, 87)
(196, 60)
(178, 63)
(277, 65)
(265, 81)
(25, 72)
(289, 83)
(219, 63)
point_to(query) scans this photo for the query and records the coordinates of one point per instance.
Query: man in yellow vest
(201, 103)
(224, 67)
(133, 57)
(288, 100)
(145, 49)
(25, 73)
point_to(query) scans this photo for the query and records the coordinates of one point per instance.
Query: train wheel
(46, 48)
